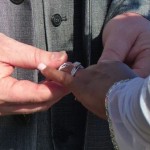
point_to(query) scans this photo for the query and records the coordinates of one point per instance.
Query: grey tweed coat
(54, 25)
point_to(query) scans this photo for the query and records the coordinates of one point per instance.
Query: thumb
(25, 56)
(119, 36)
(116, 48)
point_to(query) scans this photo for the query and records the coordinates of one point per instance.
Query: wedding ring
(72, 68)
(64, 65)
(76, 67)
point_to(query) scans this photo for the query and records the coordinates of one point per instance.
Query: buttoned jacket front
(54, 25)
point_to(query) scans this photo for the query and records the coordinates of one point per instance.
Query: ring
(64, 65)
(77, 66)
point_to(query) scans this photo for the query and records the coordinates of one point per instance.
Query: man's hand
(126, 38)
(90, 85)
(25, 96)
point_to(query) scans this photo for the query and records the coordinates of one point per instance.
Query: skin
(120, 44)
(126, 40)
(90, 85)
(23, 97)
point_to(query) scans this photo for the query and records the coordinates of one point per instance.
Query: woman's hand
(90, 85)
(22, 96)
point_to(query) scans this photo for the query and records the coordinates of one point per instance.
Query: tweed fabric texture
(67, 125)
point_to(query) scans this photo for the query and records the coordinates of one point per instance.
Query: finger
(25, 91)
(26, 56)
(117, 52)
(61, 77)
(5, 70)
(23, 108)
(119, 37)
(141, 63)
(139, 55)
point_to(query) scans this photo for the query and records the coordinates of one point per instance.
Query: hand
(126, 38)
(90, 85)
(23, 97)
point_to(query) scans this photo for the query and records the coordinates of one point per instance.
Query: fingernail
(41, 66)
(58, 55)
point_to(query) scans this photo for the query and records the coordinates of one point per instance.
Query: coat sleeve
(128, 106)
(117, 7)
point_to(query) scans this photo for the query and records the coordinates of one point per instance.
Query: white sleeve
(128, 108)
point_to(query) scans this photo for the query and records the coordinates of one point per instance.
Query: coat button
(57, 19)
(17, 2)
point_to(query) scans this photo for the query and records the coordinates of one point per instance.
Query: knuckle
(65, 79)
(62, 78)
